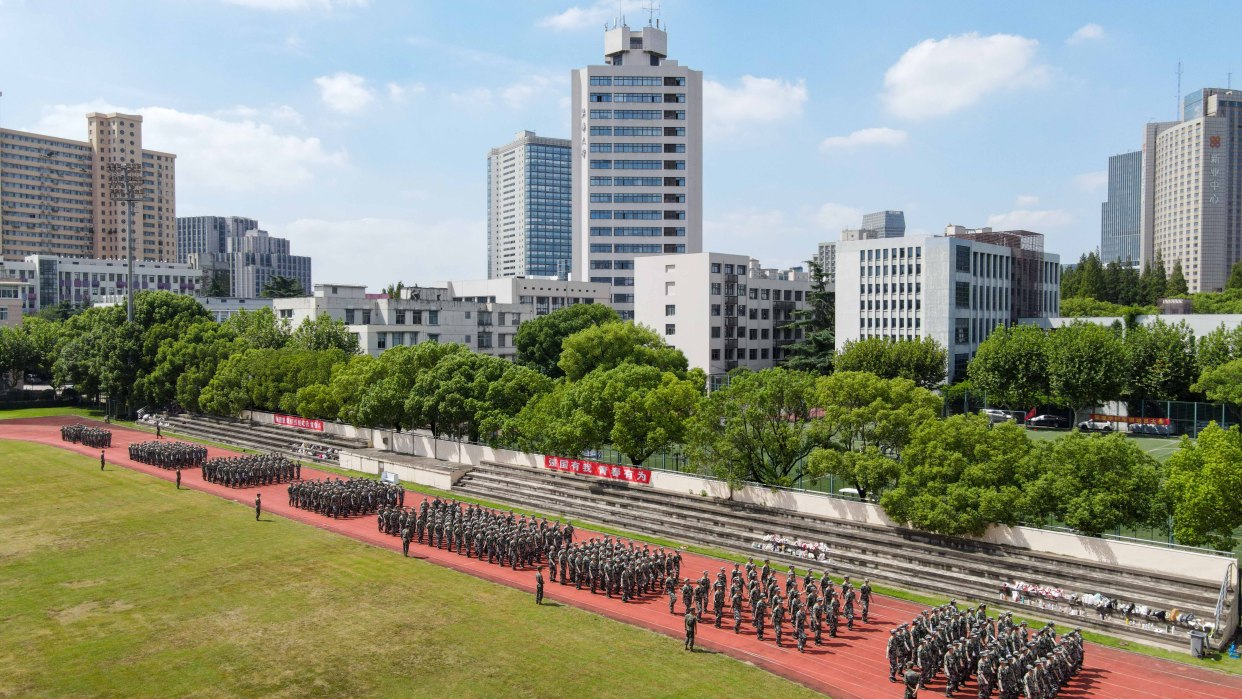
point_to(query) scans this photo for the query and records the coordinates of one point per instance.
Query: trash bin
(1198, 643)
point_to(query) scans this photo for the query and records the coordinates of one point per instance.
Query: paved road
(851, 666)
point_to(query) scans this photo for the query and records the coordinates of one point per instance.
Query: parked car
(1095, 426)
(994, 415)
(1153, 430)
(1048, 422)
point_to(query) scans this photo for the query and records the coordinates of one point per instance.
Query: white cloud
(1026, 201)
(540, 89)
(215, 152)
(344, 251)
(595, 15)
(878, 136)
(835, 217)
(400, 93)
(287, 5)
(1030, 220)
(754, 100)
(938, 77)
(1085, 33)
(1091, 181)
(345, 92)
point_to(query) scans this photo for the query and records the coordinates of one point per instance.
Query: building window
(400, 317)
(349, 316)
(963, 292)
(715, 288)
(963, 258)
(433, 318)
(670, 329)
(381, 340)
(715, 355)
(670, 310)
(715, 332)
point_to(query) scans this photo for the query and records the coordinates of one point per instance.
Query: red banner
(301, 423)
(631, 474)
(1131, 420)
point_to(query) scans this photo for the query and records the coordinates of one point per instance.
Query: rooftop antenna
(652, 9)
(1179, 89)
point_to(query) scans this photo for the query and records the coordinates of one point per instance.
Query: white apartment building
(542, 295)
(11, 302)
(723, 311)
(954, 288)
(637, 160)
(54, 198)
(422, 314)
(528, 208)
(1192, 189)
(826, 257)
(49, 280)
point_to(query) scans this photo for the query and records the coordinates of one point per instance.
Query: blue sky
(360, 128)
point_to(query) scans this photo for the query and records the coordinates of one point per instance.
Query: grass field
(115, 584)
(1160, 448)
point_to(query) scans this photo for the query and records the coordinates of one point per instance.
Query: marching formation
(247, 471)
(86, 435)
(475, 531)
(170, 455)
(1002, 656)
(345, 497)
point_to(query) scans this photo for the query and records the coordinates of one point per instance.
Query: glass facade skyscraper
(529, 231)
(1120, 219)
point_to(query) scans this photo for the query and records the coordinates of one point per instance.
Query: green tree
(216, 283)
(393, 291)
(258, 329)
(613, 344)
(923, 361)
(1205, 477)
(539, 340)
(1094, 483)
(517, 387)
(1161, 359)
(960, 475)
(185, 365)
(1218, 347)
(1086, 365)
(757, 428)
(267, 379)
(324, 333)
(1177, 281)
(1011, 366)
(450, 397)
(282, 287)
(1086, 279)
(1222, 383)
(44, 338)
(1235, 276)
(1080, 307)
(317, 401)
(817, 321)
(865, 424)
(654, 419)
(379, 393)
(16, 353)
(1153, 282)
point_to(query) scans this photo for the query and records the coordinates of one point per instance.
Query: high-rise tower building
(54, 198)
(199, 234)
(528, 208)
(886, 224)
(1120, 219)
(637, 160)
(235, 257)
(1192, 189)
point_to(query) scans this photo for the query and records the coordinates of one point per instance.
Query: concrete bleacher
(966, 569)
(266, 438)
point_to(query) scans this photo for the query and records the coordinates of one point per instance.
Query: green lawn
(51, 412)
(115, 584)
(1160, 448)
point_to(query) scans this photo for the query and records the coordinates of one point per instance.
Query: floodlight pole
(125, 184)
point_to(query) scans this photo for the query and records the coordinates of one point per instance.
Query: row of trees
(1094, 289)
(1086, 364)
(586, 380)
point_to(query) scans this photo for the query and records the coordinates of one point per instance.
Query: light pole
(125, 184)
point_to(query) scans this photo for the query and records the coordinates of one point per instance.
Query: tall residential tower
(1192, 189)
(637, 160)
(528, 208)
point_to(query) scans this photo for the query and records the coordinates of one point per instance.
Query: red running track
(851, 666)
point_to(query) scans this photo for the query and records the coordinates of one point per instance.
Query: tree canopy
(282, 287)
(613, 344)
(1011, 366)
(923, 361)
(817, 321)
(539, 340)
(1086, 365)
(1205, 477)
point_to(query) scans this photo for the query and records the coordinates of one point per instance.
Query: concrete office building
(886, 224)
(637, 160)
(723, 311)
(11, 302)
(826, 257)
(1192, 189)
(1120, 216)
(529, 233)
(52, 202)
(954, 288)
(542, 295)
(199, 234)
(239, 256)
(48, 280)
(422, 314)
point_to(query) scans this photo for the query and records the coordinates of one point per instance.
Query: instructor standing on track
(101, 459)
(258, 506)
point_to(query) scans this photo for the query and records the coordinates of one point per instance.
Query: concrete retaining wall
(1202, 566)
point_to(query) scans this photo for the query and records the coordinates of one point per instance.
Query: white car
(993, 415)
(1095, 426)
